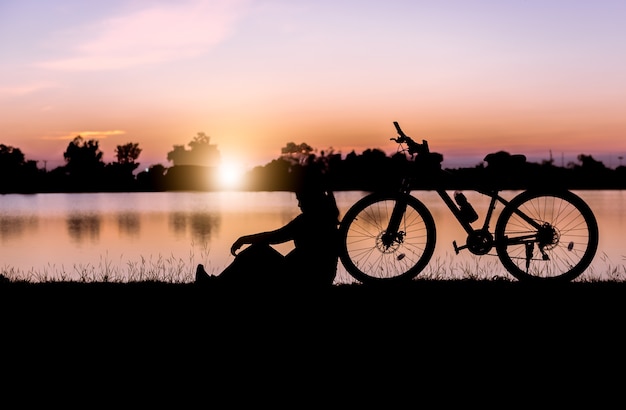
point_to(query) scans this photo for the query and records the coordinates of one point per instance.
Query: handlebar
(414, 147)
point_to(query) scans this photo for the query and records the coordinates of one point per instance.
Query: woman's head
(319, 202)
(312, 188)
(310, 197)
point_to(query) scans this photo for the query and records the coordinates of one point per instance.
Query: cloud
(26, 89)
(153, 35)
(87, 135)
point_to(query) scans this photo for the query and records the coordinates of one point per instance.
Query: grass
(167, 269)
(176, 270)
(159, 303)
(170, 270)
(161, 289)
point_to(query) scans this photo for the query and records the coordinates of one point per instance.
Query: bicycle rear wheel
(363, 251)
(560, 249)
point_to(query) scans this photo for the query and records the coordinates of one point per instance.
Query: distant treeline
(373, 169)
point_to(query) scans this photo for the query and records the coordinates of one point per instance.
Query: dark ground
(499, 335)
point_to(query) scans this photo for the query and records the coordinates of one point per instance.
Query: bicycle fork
(393, 233)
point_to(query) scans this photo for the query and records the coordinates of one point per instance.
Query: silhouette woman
(312, 262)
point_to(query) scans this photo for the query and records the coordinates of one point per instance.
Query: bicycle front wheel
(368, 256)
(560, 243)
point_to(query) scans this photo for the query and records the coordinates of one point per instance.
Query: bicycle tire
(572, 237)
(361, 250)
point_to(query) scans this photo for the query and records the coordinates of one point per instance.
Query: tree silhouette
(591, 173)
(10, 158)
(202, 152)
(152, 179)
(293, 148)
(119, 175)
(127, 153)
(84, 165)
(16, 173)
(83, 155)
(591, 164)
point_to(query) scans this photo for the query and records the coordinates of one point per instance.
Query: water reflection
(178, 223)
(129, 224)
(14, 226)
(201, 225)
(83, 227)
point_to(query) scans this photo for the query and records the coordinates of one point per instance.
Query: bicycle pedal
(456, 248)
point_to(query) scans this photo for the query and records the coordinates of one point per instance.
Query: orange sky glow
(472, 77)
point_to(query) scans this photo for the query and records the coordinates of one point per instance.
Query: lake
(164, 235)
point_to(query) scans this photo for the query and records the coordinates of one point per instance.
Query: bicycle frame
(393, 234)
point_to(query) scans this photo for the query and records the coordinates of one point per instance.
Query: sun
(230, 175)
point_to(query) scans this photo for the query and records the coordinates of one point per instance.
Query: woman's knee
(255, 263)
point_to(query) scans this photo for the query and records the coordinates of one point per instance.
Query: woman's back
(315, 234)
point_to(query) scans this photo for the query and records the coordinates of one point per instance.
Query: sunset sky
(534, 77)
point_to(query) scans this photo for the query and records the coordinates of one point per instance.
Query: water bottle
(468, 214)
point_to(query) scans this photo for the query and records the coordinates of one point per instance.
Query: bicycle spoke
(562, 247)
(370, 254)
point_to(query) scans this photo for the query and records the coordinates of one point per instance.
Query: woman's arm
(280, 235)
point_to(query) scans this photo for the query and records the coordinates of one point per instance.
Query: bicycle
(540, 235)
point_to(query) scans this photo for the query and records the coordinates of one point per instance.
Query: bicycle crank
(479, 242)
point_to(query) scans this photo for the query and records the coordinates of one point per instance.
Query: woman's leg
(316, 271)
(257, 264)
